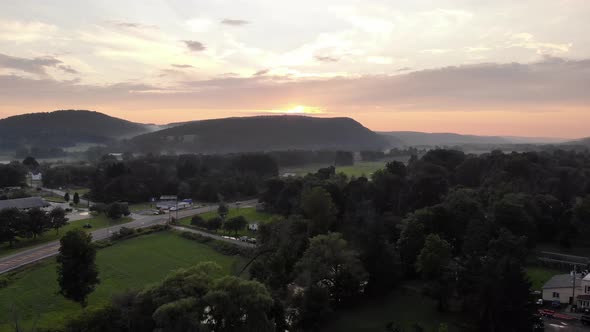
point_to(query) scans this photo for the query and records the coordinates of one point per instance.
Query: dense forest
(462, 224)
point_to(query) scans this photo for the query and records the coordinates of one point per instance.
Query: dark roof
(23, 203)
(561, 281)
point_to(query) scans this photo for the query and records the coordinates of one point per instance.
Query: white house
(34, 179)
(561, 288)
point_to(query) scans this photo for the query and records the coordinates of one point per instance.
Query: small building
(24, 203)
(34, 179)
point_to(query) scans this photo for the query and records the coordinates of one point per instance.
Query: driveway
(29, 256)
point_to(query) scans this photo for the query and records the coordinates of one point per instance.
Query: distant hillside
(582, 141)
(413, 138)
(262, 133)
(64, 128)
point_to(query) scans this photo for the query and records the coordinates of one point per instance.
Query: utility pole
(573, 285)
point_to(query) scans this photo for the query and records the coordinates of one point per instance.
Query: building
(24, 203)
(34, 179)
(561, 288)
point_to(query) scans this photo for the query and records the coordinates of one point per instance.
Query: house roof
(561, 281)
(23, 203)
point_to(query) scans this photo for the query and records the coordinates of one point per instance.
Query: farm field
(366, 168)
(97, 222)
(129, 264)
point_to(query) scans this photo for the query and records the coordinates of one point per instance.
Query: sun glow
(298, 109)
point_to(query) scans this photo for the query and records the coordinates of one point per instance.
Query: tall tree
(11, 222)
(222, 210)
(329, 262)
(77, 273)
(36, 223)
(434, 257)
(67, 197)
(58, 218)
(76, 199)
(30, 162)
(318, 206)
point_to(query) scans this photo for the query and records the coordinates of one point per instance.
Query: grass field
(402, 308)
(130, 264)
(137, 207)
(366, 168)
(97, 222)
(540, 275)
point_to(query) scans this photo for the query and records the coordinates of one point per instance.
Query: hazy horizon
(494, 69)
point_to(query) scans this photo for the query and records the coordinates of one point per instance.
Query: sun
(298, 109)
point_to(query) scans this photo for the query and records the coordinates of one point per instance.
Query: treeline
(15, 224)
(462, 223)
(200, 177)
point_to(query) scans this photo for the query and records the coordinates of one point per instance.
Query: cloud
(194, 45)
(528, 41)
(132, 25)
(36, 66)
(380, 60)
(182, 66)
(23, 31)
(234, 22)
(261, 72)
(326, 58)
(67, 69)
(552, 83)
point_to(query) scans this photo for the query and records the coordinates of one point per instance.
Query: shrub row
(222, 247)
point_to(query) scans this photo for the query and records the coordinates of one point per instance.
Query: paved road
(38, 253)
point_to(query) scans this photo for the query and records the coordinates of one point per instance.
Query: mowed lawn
(402, 308)
(130, 264)
(97, 222)
(540, 275)
(366, 168)
(249, 213)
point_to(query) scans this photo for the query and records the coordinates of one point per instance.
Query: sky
(499, 67)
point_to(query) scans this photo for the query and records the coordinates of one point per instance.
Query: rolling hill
(261, 133)
(64, 128)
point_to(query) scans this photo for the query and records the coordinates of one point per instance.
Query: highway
(35, 254)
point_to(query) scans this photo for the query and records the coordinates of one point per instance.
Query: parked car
(585, 319)
(555, 304)
(243, 238)
(251, 240)
(539, 302)
(87, 226)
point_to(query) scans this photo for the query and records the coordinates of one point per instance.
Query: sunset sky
(499, 67)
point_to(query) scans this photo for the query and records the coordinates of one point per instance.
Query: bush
(198, 221)
(222, 247)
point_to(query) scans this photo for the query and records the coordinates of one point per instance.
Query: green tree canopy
(434, 257)
(77, 273)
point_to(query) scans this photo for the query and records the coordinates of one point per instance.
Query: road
(29, 256)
